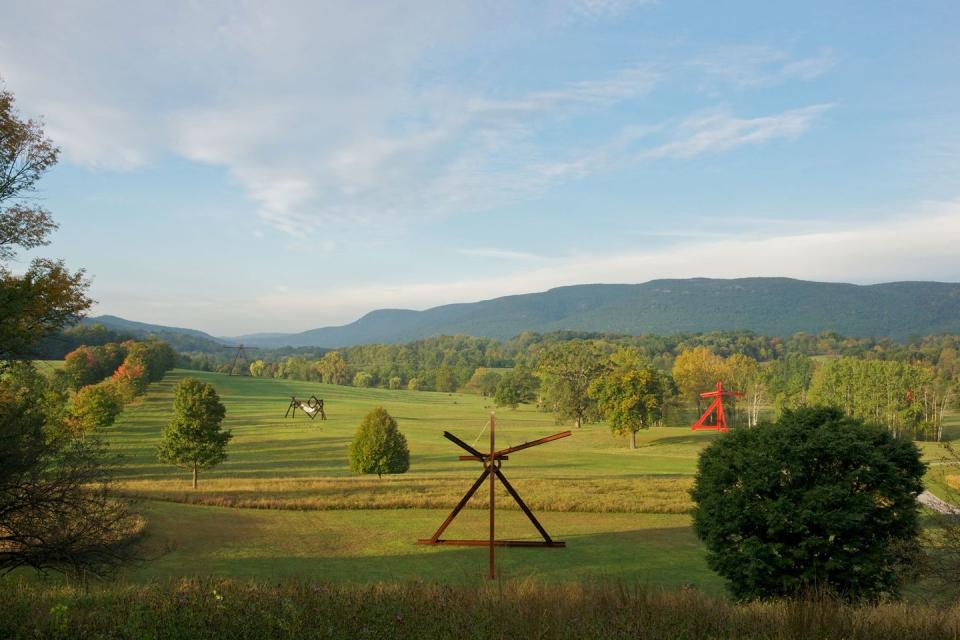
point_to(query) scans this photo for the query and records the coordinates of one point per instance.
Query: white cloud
(332, 113)
(722, 132)
(750, 66)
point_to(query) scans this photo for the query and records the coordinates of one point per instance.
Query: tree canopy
(630, 393)
(517, 386)
(56, 509)
(46, 297)
(378, 446)
(193, 439)
(816, 501)
(567, 370)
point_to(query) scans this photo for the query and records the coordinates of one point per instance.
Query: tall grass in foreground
(230, 609)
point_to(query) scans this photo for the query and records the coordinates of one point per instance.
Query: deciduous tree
(47, 296)
(193, 439)
(257, 368)
(362, 379)
(697, 370)
(517, 386)
(788, 380)
(567, 370)
(334, 369)
(629, 393)
(741, 373)
(56, 509)
(94, 407)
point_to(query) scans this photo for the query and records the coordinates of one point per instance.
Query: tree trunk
(633, 439)
(194, 475)
(579, 421)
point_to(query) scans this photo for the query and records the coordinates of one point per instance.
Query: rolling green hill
(179, 338)
(769, 306)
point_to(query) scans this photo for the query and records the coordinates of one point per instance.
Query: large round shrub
(378, 447)
(817, 501)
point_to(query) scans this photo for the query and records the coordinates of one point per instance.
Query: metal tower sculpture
(241, 352)
(720, 421)
(491, 469)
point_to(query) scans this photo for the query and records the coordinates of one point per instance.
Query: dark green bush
(816, 502)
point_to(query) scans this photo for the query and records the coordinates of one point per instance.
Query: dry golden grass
(650, 494)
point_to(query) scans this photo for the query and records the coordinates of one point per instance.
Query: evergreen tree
(378, 446)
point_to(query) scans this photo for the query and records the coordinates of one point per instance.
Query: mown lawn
(302, 463)
(380, 545)
(623, 513)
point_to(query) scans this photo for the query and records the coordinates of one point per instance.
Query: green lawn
(302, 463)
(622, 512)
(380, 545)
(266, 445)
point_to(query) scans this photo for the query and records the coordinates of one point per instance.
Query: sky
(243, 167)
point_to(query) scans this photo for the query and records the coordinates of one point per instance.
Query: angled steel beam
(532, 443)
(523, 505)
(463, 445)
(460, 505)
(555, 544)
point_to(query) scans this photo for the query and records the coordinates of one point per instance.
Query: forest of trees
(905, 386)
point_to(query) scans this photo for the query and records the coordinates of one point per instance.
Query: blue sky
(241, 167)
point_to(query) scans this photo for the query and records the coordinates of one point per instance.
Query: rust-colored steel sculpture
(720, 423)
(491, 470)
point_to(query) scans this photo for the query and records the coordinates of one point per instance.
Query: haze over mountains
(768, 306)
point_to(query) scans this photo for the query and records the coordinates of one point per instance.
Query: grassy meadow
(622, 512)
(282, 540)
(285, 503)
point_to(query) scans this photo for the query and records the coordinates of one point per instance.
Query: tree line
(907, 387)
(100, 380)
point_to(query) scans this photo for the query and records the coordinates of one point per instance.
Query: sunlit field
(623, 513)
(301, 463)
(285, 503)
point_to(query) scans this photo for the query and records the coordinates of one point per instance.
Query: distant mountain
(179, 338)
(769, 306)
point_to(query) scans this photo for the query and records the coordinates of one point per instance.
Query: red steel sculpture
(720, 422)
(491, 469)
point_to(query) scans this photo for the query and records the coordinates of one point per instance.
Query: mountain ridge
(769, 306)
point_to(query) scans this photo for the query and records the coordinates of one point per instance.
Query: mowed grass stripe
(302, 464)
